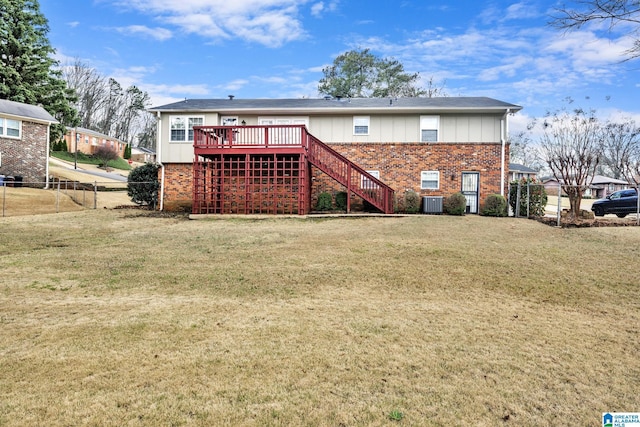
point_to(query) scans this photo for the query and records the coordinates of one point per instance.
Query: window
(229, 121)
(429, 126)
(367, 184)
(182, 128)
(429, 180)
(10, 128)
(86, 139)
(277, 136)
(361, 125)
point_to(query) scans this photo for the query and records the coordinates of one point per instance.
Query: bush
(537, 197)
(494, 205)
(398, 206)
(143, 185)
(341, 200)
(325, 202)
(455, 204)
(411, 202)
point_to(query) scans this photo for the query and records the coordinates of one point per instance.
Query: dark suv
(621, 203)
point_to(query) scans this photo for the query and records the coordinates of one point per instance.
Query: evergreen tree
(360, 74)
(28, 73)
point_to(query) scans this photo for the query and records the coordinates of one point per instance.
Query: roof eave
(357, 110)
(30, 119)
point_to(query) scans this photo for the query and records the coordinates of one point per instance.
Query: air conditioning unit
(432, 205)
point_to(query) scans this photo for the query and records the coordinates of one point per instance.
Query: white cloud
(268, 22)
(157, 33)
(73, 24)
(522, 10)
(233, 85)
(318, 9)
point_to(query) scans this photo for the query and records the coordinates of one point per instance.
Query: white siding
(397, 128)
(180, 152)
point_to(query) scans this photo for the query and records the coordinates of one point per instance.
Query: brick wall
(26, 157)
(178, 186)
(399, 165)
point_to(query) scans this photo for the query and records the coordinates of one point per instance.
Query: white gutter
(504, 131)
(159, 159)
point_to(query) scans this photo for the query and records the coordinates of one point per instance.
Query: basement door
(470, 189)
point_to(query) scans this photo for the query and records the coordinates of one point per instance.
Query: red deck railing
(249, 136)
(295, 138)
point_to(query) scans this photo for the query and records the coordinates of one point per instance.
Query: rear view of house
(24, 141)
(251, 155)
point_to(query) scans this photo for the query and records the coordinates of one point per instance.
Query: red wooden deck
(265, 169)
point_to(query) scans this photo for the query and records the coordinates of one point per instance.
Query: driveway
(84, 172)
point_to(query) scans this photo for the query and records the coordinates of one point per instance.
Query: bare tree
(620, 146)
(132, 107)
(105, 155)
(523, 150)
(112, 103)
(106, 107)
(433, 90)
(147, 136)
(570, 145)
(90, 88)
(612, 12)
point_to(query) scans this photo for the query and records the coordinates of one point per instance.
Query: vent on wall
(432, 205)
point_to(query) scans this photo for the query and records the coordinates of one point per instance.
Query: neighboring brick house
(89, 140)
(24, 142)
(433, 146)
(143, 155)
(518, 172)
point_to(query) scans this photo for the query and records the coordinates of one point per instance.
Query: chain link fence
(528, 199)
(28, 198)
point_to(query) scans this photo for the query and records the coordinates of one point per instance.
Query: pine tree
(28, 73)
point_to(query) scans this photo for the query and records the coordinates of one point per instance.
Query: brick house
(89, 140)
(433, 146)
(24, 142)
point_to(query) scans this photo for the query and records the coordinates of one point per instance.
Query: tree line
(104, 106)
(75, 95)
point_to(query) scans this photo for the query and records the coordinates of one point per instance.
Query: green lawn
(119, 163)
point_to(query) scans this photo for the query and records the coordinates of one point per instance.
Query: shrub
(537, 197)
(398, 206)
(411, 202)
(341, 200)
(455, 204)
(143, 185)
(494, 205)
(325, 202)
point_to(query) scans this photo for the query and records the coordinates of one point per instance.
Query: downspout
(504, 131)
(159, 159)
(46, 167)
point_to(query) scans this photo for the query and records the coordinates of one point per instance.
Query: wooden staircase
(263, 169)
(349, 174)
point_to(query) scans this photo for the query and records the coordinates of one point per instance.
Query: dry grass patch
(120, 319)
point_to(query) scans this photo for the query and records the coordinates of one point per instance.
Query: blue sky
(176, 49)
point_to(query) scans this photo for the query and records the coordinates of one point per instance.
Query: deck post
(348, 187)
